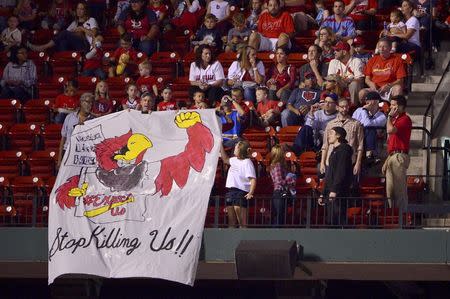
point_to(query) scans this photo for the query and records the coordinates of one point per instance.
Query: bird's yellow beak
(136, 144)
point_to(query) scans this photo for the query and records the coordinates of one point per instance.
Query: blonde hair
(97, 91)
(277, 156)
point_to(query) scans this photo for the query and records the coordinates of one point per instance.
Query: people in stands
(232, 117)
(267, 111)
(247, 72)
(57, 15)
(77, 117)
(11, 36)
(132, 99)
(350, 70)
(238, 35)
(256, 9)
(146, 82)
(275, 29)
(311, 135)
(67, 102)
(240, 183)
(395, 26)
(161, 10)
(355, 137)
(361, 12)
(122, 5)
(371, 118)
(338, 178)
(93, 63)
(281, 76)
(300, 102)
(102, 102)
(426, 12)
(208, 34)
(384, 73)
(199, 100)
(146, 103)
(326, 35)
(315, 65)
(398, 127)
(333, 84)
(221, 10)
(237, 94)
(303, 21)
(19, 76)
(206, 74)
(27, 12)
(185, 15)
(359, 50)
(124, 58)
(167, 103)
(411, 39)
(141, 23)
(341, 25)
(78, 36)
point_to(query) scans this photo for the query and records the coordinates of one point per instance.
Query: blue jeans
(15, 92)
(99, 73)
(278, 208)
(304, 140)
(60, 117)
(147, 46)
(289, 118)
(370, 139)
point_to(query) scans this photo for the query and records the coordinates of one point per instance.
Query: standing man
(398, 127)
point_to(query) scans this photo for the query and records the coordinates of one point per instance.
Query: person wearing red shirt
(124, 58)
(398, 127)
(361, 11)
(102, 103)
(267, 111)
(275, 29)
(168, 103)
(146, 82)
(384, 73)
(199, 100)
(67, 102)
(159, 8)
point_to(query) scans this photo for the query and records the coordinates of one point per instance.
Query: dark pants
(408, 47)
(370, 139)
(337, 210)
(213, 94)
(278, 208)
(15, 92)
(99, 73)
(147, 46)
(304, 140)
(69, 41)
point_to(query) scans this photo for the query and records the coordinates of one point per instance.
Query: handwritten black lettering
(83, 160)
(89, 137)
(168, 245)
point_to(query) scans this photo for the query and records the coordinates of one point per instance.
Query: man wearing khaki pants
(399, 133)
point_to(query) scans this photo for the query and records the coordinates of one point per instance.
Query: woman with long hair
(278, 172)
(281, 76)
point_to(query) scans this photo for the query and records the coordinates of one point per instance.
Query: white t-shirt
(91, 23)
(399, 25)
(353, 69)
(219, 9)
(211, 74)
(235, 70)
(240, 173)
(11, 37)
(413, 23)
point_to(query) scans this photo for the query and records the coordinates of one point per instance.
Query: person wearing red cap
(358, 50)
(348, 68)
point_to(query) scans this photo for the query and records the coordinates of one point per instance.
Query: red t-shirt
(164, 106)
(120, 51)
(263, 108)
(271, 27)
(102, 106)
(356, 14)
(145, 84)
(140, 27)
(383, 71)
(399, 141)
(283, 78)
(95, 62)
(159, 10)
(64, 101)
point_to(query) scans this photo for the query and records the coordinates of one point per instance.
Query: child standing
(67, 102)
(11, 36)
(396, 26)
(123, 57)
(94, 60)
(240, 183)
(237, 36)
(167, 103)
(146, 82)
(132, 99)
(102, 103)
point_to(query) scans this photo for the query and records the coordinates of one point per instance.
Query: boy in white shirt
(11, 36)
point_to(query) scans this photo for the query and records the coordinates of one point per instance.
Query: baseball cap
(358, 41)
(373, 95)
(342, 46)
(332, 96)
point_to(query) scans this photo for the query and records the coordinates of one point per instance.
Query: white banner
(131, 195)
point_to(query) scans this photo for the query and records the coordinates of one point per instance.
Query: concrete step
(424, 87)
(437, 222)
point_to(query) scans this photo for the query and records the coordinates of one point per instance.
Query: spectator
(167, 103)
(275, 29)
(11, 36)
(199, 99)
(342, 26)
(102, 103)
(57, 15)
(19, 76)
(237, 94)
(247, 72)
(358, 46)
(220, 9)
(300, 102)
(355, 137)
(338, 178)
(132, 99)
(146, 82)
(349, 69)
(256, 9)
(333, 84)
(185, 15)
(75, 118)
(326, 35)
(238, 35)
(122, 5)
(398, 127)
(395, 26)
(208, 34)
(311, 134)
(315, 65)
(411, 39)
(93, 64)
(141, 23)
(124, 58)
(241, 183)
(67, 102)
(361, 11)
(384, 73)
(232, 117)
(77, 37)
(370, 117)
(425, 15)
(206, 74)
(161, 10)
(146, 103)
(281, 77)
(267, 111)
(26, 10)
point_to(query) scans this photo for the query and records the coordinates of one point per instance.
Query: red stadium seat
(286, 135)
(259, 139)
(87, 84)
(64, 63)
(26, 192)
(9, 111)
(165, 64)
(51, 136)
(37, 111)
(51, 87)
(11, 163)
(42, 163)
(23, 137)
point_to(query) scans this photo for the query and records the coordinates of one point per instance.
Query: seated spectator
(256, 9)
(199, 100)
(123, 59)
(26, 10)
(275, 29)
(122, 5)
(267, 111)
(238, 35)
(93, 64)
(333, 84)
(185, 15)
(384, 73)
(362, 12)
(161, 10)
(358, 50)
(132, 100)
(11, 36)
(237, 94)
(315, 66)
(247, 72)
(19, 76)
(281, 77)
(310, 135)
(221, 10)
(325, 35)
(395, 26)
(102, 103)
(167, 103)
(141, 23)
(232, 117)
(146, 103)
(206, 74)
(341, 25)
(67, 102)
(77, 37)
(349, 69)
(411, 39)
(57, 15)
(370, 116)
(146, 82)
(208, 34)
(300, 102)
